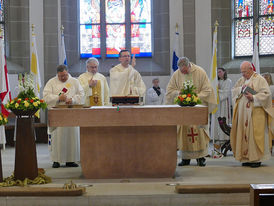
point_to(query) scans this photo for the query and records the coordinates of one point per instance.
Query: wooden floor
(145, 191)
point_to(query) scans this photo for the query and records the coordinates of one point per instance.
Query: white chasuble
(64, 142)
(126, 81)
(193, 139)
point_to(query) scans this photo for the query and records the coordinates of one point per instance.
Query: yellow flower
(19, 99)
(12, 102)
(188, 99)
(26, 103)
(38, 102)
(7, 105)
(35, 104)
(6, 120)
(16, 105)
(195, 99)
(1, 118)
(184, 95)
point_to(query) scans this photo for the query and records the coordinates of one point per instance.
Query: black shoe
(246, 164)
(201, 162)
(71, 164)
(255, 164)
(55, 165)
(184, 162)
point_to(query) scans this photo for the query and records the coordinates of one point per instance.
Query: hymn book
(250, 90)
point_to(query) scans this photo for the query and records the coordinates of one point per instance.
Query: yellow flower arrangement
(26, 99)
(3, 119)
(187, 96)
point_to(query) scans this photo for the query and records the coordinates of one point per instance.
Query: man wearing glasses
(124, 79)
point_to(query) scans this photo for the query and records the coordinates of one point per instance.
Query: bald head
(246, 69)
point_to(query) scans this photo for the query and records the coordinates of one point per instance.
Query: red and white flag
(255, 58)
(4, 83)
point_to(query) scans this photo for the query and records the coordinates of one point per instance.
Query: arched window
(107, 26)
(246, 15)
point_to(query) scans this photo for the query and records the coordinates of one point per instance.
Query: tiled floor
(217, 171)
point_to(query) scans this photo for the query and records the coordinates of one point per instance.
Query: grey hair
(92, 59)
(156, 78)
(183, 61)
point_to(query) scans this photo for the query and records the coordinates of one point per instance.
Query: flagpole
(214, 82)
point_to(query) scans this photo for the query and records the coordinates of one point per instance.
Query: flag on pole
(34, 67)
(62, 53)
(213, 71)
(255, 58)
(175, 50)
(4, 84)
(4, 89)
(214, 81)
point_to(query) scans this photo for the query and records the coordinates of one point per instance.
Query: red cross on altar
(192, 135)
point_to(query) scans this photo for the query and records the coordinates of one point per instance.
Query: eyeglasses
(125, 56)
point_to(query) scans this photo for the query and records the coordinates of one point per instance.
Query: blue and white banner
(62, 54)
(175, 52)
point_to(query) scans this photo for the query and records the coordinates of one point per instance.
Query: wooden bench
(261, 194)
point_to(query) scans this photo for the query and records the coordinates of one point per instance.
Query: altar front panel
(128, 152)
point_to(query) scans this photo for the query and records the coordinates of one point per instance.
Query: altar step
(137, 195)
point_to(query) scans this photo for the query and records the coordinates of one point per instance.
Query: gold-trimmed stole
(96, 98)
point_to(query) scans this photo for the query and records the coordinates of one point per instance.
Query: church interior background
(193, 20)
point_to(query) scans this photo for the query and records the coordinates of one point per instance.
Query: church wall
(203, 34)
(17, 33)
(195, 24)
(50, 38)
(221, 11)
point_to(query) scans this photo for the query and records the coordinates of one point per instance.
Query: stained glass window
(266, 7)
(266, 27)
(123, 21)
(115, 31)
(1, 10)
(141, 28)
(243, 8)
(90, 44)
(243, 25)
(115, 11)
(115, 40)
(244, 37)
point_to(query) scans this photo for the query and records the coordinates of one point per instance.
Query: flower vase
(25, 148)
(185, 105)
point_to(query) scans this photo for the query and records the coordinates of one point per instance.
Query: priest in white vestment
(64, 142)
(155, 95)
(251, 136)
(94, 84)
(124, 79)
(224, 107)
(192, 140)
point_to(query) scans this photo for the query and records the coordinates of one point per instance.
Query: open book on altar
(64, 105)
(126, 99)
(250, 90)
